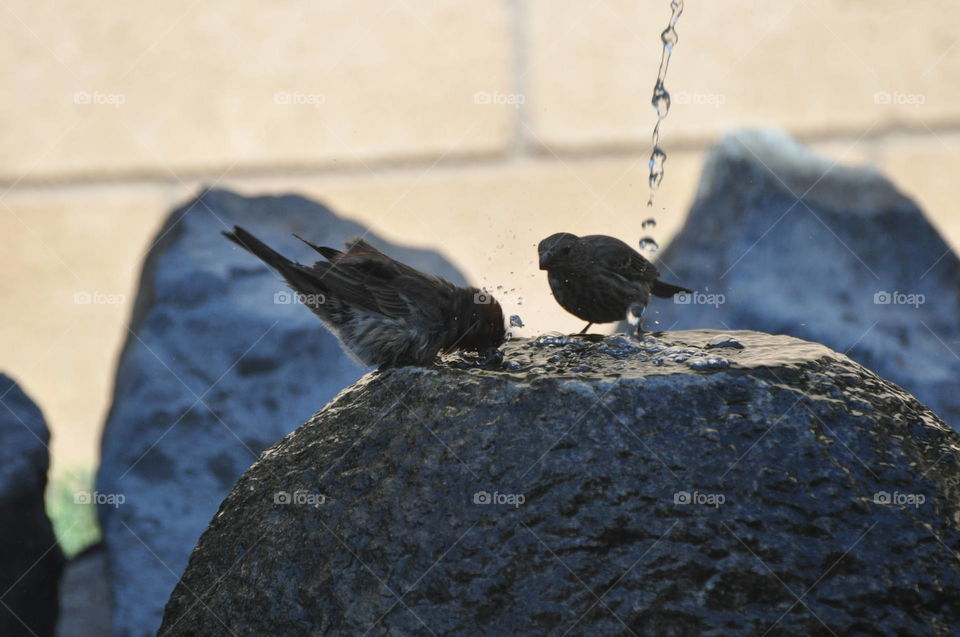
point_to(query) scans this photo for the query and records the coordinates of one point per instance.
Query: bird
(383, 312)
(601, 279)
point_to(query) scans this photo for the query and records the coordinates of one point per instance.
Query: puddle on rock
(624, 355)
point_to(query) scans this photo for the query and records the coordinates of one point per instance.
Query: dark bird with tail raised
(383, 312)
(601, 279)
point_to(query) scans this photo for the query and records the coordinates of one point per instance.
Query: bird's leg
(640, 330)
(637, 311)
(584, 330)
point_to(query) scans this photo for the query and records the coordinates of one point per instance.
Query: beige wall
(404, 115)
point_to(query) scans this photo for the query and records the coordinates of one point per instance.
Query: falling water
(661, 103)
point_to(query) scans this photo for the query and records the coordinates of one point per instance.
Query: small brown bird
(383, 312)
(601, 279)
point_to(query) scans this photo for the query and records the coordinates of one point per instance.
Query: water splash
(516, 321)
(649, 223)
(661, 99)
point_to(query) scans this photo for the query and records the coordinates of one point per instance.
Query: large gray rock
(595, 487)
(853, 264)
(30, 558)
(219, 364)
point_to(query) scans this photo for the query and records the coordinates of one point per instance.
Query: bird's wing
(364, 287)
(616, 256)
(365, 277)
(359, 248)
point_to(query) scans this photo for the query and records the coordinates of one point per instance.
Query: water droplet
(552, 340)
(649, 244)
(649, 223)
(669, 37)
(661, 100)
(516, 321)
(657, 159)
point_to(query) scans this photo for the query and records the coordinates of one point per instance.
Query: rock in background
(220, 363)
(85, 606)
(596, 487)
(784, 241)
(30, 558)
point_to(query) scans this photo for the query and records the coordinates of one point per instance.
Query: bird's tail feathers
(258, 248)
(300, 278)
(666, 290)
(330, 254)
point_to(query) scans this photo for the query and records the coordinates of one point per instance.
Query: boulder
(692, 483)
(31, 561)
(220, 363)
(781, 240)
(85, 596)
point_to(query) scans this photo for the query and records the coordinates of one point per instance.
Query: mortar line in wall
(399, 165)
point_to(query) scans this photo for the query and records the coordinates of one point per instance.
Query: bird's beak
(545, 259)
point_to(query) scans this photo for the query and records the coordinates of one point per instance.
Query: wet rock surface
(790, 491)
(785, 241)
(31, 562)
(222, 361)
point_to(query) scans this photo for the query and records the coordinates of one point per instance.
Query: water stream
(661, 104)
